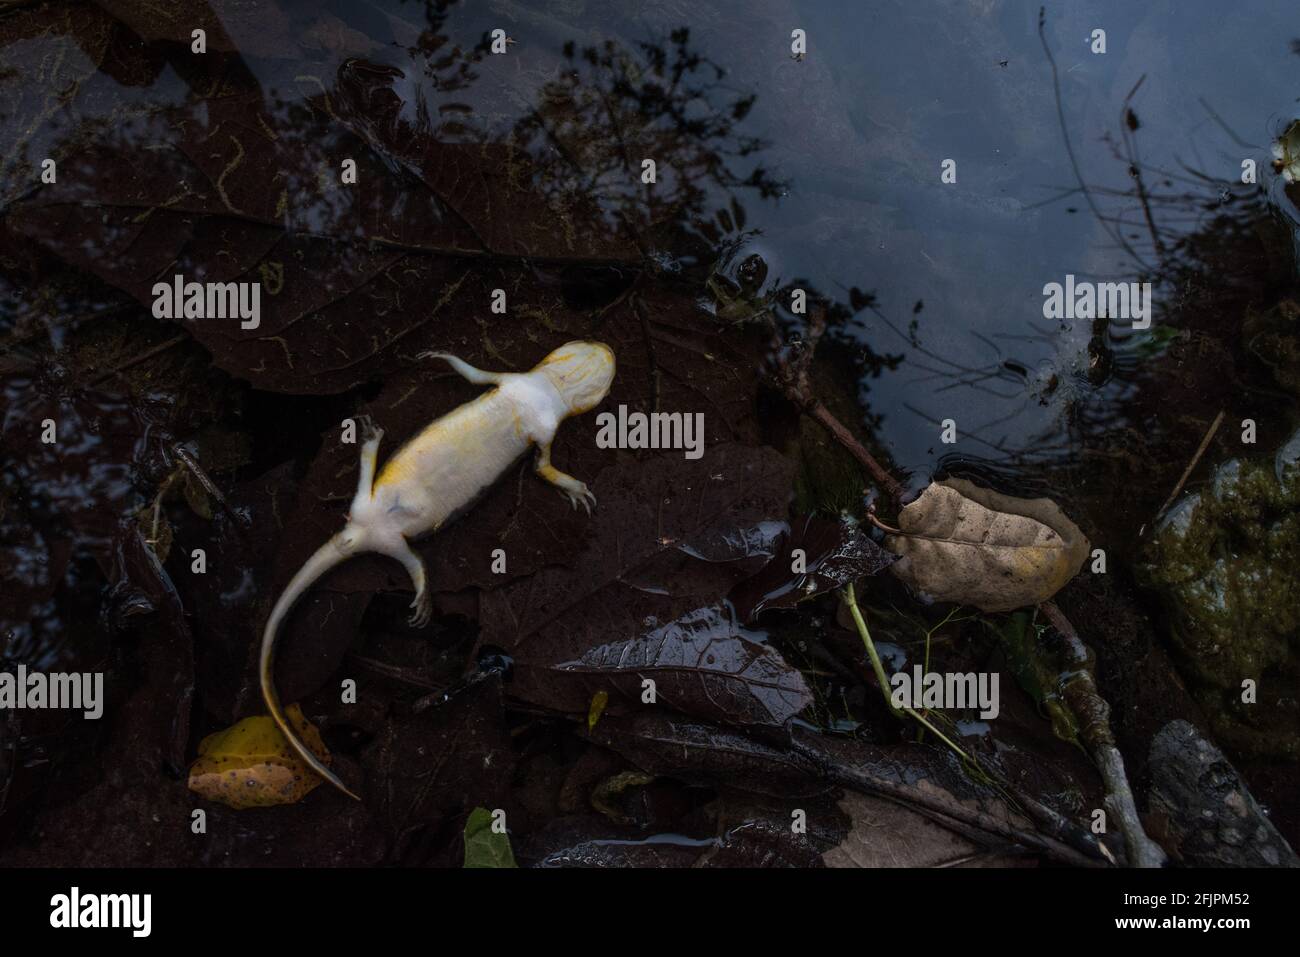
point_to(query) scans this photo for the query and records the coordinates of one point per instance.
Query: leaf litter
(677, 576)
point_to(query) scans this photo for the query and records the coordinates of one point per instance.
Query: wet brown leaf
(833, 554)
(640, 600)
(705, 754)
(886, 834)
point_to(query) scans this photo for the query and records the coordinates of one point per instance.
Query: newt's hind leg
(577, 491)
(423, 601)
(467, 371)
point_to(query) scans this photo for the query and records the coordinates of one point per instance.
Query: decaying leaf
(887, 834)
(250, 764)
(1036, 672)
(485, 847)
(965, 544)
(816, 556)
(196, 496)
(702, 663)
(1286, 152)
(643, 599)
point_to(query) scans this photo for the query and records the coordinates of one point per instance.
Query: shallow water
(856, 135)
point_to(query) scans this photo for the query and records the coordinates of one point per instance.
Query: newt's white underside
(439, 473)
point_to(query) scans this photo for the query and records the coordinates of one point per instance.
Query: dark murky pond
(832, 254)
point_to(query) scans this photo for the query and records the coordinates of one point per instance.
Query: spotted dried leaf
(250, 764)
(965, 544)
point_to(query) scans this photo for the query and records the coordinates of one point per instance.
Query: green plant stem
(879, 669)
(1057, 826)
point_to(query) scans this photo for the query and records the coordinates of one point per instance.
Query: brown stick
(934, 804)
(1080, 693)
(835, 427)
(209, 486)
(792, 375)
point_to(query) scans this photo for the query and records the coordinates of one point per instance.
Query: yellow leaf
(251, 764)
(597, 708)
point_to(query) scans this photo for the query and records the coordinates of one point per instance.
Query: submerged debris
(1286, 152)
(1213, 821)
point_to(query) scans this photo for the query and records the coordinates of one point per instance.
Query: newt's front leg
(371, 435)
(570, 486)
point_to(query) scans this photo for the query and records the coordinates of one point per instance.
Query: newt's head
(581, 372)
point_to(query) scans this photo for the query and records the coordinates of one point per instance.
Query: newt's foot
(370, 433)
(423, 605)
(579, 494)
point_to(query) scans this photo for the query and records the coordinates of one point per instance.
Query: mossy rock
(1227, 562)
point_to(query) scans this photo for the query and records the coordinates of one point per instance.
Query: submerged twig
(209, 486)
(639, 308)
(792, 376)
(1187, 472)
(933, 803)
(1114, 233)
(1128, 125)
(403, 675)
(1080, 692)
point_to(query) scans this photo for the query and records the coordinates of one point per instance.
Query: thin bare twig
(1069, 147)
(933, 803)
(792, 375)
(1130, 147)
(191, 463)
(1187, 472)
(639, 307)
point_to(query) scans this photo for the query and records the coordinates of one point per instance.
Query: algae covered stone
(1226, 560)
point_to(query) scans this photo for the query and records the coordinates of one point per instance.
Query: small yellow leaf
(598, 702)
(251, 764)
(197, 497)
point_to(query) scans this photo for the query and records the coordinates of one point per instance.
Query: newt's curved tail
(333, 552)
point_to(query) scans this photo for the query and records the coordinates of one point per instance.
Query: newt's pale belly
(448, 465)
